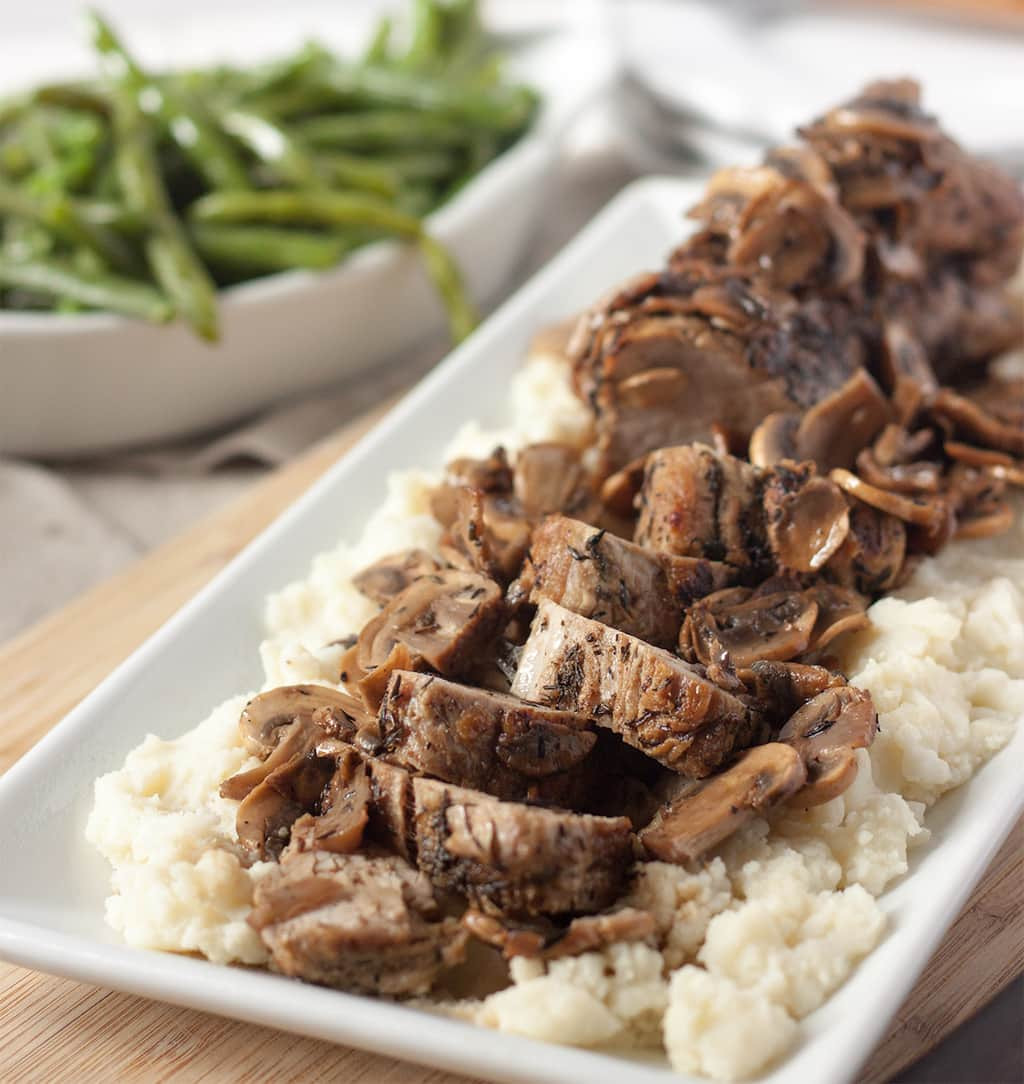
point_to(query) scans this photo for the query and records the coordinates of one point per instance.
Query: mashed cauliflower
(748, 943)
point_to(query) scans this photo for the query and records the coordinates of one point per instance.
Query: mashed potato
(749, 942)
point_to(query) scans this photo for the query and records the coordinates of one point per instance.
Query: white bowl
(53, 884)
(72, 384)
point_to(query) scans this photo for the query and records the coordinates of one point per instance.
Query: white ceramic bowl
(73, 384)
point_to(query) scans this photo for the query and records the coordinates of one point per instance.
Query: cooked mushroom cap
(826, 732)
(840, 610)
(745, 628)
(264, 717)
(344, 811)
(545, 477)
(382, 580)
(977, 420)
(704, 814)
(928, 513)
(806, 520)
(774, 439)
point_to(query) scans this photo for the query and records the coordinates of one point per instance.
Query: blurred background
(670, 86)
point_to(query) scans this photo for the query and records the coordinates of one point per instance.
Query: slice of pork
(696, 502)
(703, 814)
(509, 858)
(655, 701)
(480, 739)
(367, 924)
(597, 574)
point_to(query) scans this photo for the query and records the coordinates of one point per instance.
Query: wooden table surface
(54, 1030)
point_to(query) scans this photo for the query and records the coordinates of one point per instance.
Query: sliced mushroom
(906, 478)
(385, 578)
(344, 810)
(985, 520)
(489, 533)
(734, 627)
(999, 464)
(782, 687)
(979, 422)
(840, 610)
(545, 477)
(264, 717)
(806, 518)
(266, 814)
(826, 732)
(619, 490)
(872, 558)
(547, 940)
(774, 440)
(928, 513)
(445, 619)
(490, 475)
(705, 813)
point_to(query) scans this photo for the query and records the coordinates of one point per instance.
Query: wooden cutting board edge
(54, 1029)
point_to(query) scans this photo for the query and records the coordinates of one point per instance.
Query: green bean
(174, 263)
(313, 208)
(382, 129)
(462, 315)
(79, 96)
(425, 165)
(379, 48)
(77, 224)
(208, 151)
(270, 143)
(60, 280)
(267, 248)
(366, 174)
(425, 40)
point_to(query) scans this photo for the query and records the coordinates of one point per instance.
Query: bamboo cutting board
(55, 1030)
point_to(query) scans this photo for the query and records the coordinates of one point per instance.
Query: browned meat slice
(344, 809)
(480, 739)
(385, 578)
(826, 732)
(655, 701)
(702, 503)
(355, 922)
(519, 859)
(598, 575)
(443, 622)
(549, 941)
(702, 815)
(392, 815)
(697, 503)
(669, 355)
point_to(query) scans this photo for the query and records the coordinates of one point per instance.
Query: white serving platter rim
(969, 824)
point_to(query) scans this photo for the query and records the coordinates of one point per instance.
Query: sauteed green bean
(142, 192)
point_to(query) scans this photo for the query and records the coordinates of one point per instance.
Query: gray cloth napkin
(64, 527)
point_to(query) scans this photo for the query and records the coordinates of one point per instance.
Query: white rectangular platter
(52, 884)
